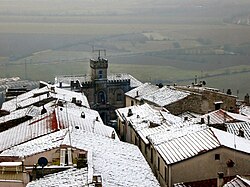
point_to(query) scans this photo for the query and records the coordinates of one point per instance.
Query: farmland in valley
(157, 44)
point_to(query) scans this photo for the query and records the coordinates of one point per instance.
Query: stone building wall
(191, 103)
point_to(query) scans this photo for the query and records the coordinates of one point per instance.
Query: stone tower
(99, 69)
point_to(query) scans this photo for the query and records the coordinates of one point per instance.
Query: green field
(167, 42)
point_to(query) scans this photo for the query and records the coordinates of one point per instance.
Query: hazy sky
(83, 7)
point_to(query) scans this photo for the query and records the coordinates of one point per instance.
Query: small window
(217, 156)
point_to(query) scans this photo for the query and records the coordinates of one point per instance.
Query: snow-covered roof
(141, 90)
(238, 181)
(200, 89)
(16, 82)
(124, 76)
(46, 93)
(170, 123)
(147, 120)
(14, 115)
(165, 96)
(83, 119)
(71, 177)
(66, 79)
(245, 110)
(221, 116)
(173, 133)
(37, 126)
(235, 127)
(191, 116)
(119, 163)
(58, 118)
(6, 164)
(38, 145)
(183, 147)
(143, 112)
(180, 185)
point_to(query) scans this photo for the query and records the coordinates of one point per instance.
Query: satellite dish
(42, 161)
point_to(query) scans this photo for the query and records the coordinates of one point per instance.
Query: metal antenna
(99, 51)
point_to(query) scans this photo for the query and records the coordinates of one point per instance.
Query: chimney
(137, 93)
(72, 85)
(73, 100)
(246, 99)
(202, 120)
(60, 84)
(52, 89)
(229, 92)
(130, 113)
(82, 115)
(208, 119)
(220, 180)
(113, 135)
(97, 119)
(195, 80)
(241, 132)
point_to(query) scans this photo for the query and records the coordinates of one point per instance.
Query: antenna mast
(99, 51)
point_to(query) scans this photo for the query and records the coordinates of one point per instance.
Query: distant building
(11, 87)
(105, 92)
(181, 99)
(212, 99)
(174, 100)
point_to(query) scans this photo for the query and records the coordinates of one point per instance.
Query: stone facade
(200, 101)
(212, 99)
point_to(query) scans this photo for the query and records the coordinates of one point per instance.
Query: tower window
(100, 74)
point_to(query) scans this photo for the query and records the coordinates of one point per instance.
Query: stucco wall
(11, 184)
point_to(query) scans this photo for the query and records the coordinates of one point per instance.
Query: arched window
(101, 97)
(119, 95)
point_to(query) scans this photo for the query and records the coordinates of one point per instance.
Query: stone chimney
(130, 113)
(220, 179)
(241, 132)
